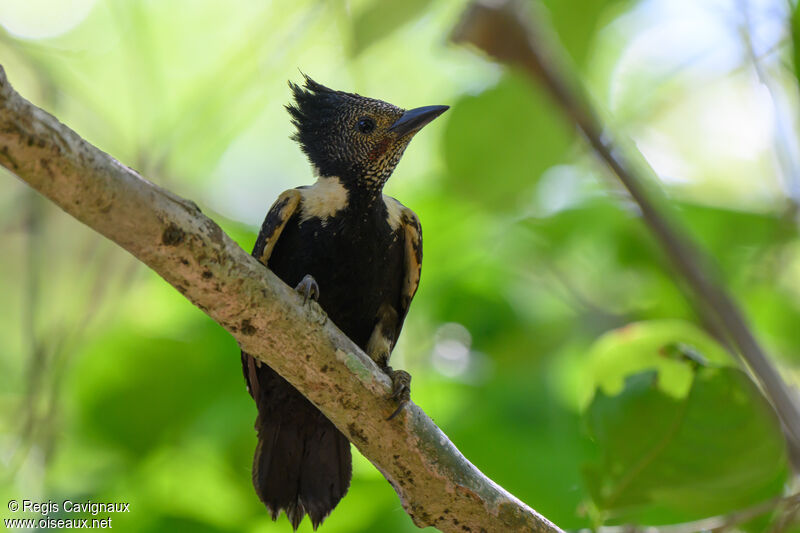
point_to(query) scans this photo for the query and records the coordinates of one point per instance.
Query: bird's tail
(302, 462)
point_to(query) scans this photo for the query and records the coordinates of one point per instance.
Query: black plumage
(363, 253)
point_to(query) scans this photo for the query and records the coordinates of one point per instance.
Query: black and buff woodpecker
(342, 242)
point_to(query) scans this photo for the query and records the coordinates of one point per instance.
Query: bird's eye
(365, 125)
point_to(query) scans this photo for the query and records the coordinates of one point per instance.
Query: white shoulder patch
(394, 210)
(323, 199)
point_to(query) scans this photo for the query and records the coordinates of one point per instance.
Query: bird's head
(358, 139)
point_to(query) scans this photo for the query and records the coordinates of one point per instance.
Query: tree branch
(436, 484)
(502, 30)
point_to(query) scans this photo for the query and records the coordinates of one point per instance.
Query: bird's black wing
(276, 219)
(392, 313)
(411, 231)
(302, 463)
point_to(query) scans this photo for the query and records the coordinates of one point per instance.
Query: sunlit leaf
(646, 345)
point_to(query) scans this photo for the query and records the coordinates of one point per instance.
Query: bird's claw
(401, 389)
(309, 290)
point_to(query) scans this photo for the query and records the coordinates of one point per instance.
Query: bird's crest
(357, 139)
(314, 105)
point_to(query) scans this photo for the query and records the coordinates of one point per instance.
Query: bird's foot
(401, 389)
(309, 290)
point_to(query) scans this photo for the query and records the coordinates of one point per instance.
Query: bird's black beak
(414, 119)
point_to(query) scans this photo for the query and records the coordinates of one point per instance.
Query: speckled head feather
(346, 134)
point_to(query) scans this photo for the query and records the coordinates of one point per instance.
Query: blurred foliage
(380, 19)
(549, 339)
(530, 122)
(686, 464)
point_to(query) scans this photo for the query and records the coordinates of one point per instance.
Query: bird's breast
(356, 259)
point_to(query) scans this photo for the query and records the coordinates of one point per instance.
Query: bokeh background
(549, 336)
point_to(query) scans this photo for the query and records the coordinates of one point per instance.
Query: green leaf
(646, 346)
(497, 144)
(717, 450)
(380, 19)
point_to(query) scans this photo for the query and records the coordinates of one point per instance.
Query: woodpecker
(358, 253)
